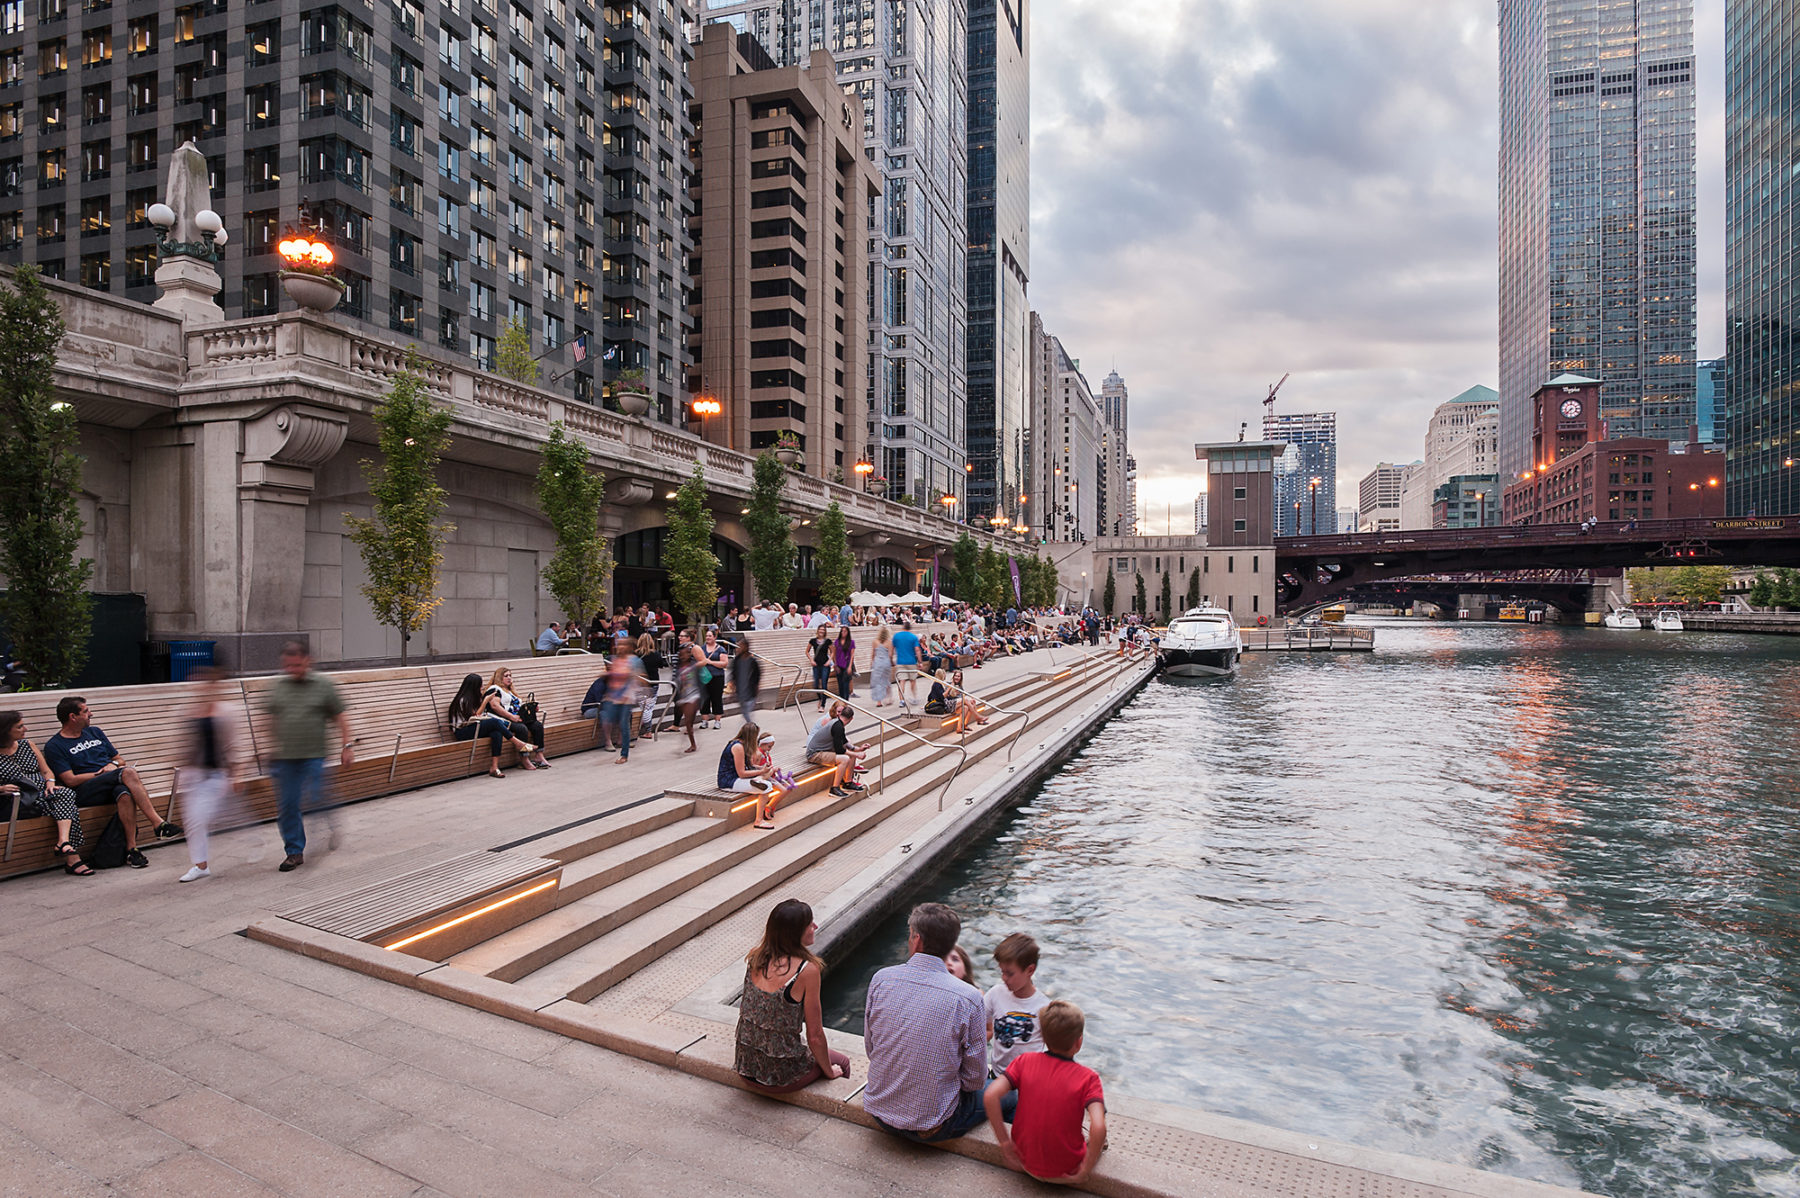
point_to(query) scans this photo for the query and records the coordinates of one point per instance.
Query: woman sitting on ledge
(25, 779)
(781, 1033)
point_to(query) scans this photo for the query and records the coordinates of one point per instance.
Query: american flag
(580, 348)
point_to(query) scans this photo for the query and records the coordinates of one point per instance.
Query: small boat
(1514, 612)
(1203, 642)
(1333, 614)
(1667, 621)
(1623, 617)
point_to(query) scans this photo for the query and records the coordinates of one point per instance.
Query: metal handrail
(881, 762)
(1024, 717)
(769, 661)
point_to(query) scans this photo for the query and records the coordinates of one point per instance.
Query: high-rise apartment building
(1311, 440)
(999, 252)
(908, 67)
(1066, 446)
(1710, 391)
(1762, 257)
(1378, 498)
(782, 196)
(1597, 179)
(1118, 498)
(472, 163)
(1200, 514)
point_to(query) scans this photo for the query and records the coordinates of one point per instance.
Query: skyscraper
(1311, 439)
(1118, 499)
(999, 251)
(1597, 184)
(1711, 386)
(1762, 258)
(533, 159)
(1066, 445)
(908, 68)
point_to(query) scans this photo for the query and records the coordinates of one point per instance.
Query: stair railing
(881, 761)
(1024, 717)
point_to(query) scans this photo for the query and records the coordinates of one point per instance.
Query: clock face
(1571, 409)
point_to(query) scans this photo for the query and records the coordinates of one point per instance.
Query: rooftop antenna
(1243, 425)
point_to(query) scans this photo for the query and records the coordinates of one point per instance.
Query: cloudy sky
(1224, 191)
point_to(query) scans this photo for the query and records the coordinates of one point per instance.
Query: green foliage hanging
(570, 495)
(687, 551)
(835, 561)
(402, 544)
(513, 358)
(771, 538)
(46, 607)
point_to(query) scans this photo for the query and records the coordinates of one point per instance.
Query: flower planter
(318, 293)
(633, 403)
(790, 456)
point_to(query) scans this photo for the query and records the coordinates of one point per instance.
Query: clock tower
(1565, 416)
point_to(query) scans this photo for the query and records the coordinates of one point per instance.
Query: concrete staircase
(638, 883)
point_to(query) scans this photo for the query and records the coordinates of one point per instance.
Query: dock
(1308, 638)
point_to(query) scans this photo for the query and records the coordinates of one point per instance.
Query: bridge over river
(1315, 570)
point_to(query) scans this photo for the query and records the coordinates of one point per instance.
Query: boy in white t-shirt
(1014, 1002)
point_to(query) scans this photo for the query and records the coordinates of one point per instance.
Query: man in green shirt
(301, 703)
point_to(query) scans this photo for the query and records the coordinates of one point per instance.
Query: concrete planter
(633, 403)
(316, 293)
(790, 456)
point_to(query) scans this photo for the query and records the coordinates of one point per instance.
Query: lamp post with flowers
(307, 274)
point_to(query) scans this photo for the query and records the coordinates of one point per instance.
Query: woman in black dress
(25, 778)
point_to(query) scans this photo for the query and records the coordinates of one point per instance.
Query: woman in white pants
(206, 778)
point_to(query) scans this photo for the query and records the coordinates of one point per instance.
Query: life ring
(1262, 621)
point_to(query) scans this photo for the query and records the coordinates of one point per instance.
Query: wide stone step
(594, 833)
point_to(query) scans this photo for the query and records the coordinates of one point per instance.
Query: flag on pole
(1018, 595)
(580, 349)
(935, 601)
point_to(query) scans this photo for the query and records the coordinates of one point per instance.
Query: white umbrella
(913, 597)
(892, 599)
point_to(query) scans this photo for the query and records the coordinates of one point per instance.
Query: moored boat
(1667, 621)
(1203, 642)
(1624, 617)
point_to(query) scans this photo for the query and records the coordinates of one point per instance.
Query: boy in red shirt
(1054, 1094)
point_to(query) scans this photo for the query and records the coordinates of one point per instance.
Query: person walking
(620, 704)
(689, 692)
(746, 679)
(207, 777)
(881, 667)
(906, 664)
(302, 704)
(651, 666)
(715, 659)
(843, 661)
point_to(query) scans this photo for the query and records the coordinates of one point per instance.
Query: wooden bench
(397, 716)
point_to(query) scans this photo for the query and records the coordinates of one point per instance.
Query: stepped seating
(639, 883)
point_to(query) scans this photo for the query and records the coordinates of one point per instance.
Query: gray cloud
(1227, 190)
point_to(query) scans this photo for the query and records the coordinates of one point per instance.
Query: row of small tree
(981, 574)
(1780, 589)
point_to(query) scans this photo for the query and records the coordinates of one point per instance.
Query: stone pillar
(189, 289)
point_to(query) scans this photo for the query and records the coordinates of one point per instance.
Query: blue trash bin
(187, 656)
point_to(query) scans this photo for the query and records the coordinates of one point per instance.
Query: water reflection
(1518, 898)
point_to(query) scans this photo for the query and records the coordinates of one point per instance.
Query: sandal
(78, 867)
(764, 827)
(496, 773)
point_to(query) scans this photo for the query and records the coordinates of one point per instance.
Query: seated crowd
(943, 1056)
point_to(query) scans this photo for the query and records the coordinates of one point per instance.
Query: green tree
(1168, 598)
(1762, 590)
(512, 354)
(967, 557)
(46, 606)
(771, 539)
(687, 551)
(1649, 585)
(835, 561)
(1110, 596)
(1141, 604)
(1050, 584)
(1787, 588)
(1701, 584)
(993, 584)
(1193, 595)
(570, 495)
(402, 544)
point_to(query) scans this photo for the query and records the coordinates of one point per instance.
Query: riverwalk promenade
(151, 1046)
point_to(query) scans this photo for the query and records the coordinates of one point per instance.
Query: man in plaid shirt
(926, 1036)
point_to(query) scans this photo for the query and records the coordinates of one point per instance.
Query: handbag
(528, 710)
(31, 796)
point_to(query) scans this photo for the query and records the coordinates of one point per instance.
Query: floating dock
(1309, 638)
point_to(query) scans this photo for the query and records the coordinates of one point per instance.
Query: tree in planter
(46, 607)
(835, 561)
(570, 495)
(1168, 599)
(1142, 603)
(402, 544)
(967, 558)
(687, 551)
(771, 542)
(513, 358)
(1110, 596)
(1193, 595)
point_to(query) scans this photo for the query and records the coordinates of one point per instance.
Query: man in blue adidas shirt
(85, 761)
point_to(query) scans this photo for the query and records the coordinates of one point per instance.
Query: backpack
(109, 848)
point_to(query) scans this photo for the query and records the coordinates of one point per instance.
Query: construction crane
(1269, 403)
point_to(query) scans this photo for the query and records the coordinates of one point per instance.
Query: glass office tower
(1597, 183)
(1762, 264)
(909, 68)
(1311, 439)
(999, 252)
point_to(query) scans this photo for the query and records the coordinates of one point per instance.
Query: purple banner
(1018, 595)
(934, 581)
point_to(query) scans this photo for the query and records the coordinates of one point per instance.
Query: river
(1518, 897)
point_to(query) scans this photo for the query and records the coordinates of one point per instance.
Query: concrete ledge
(341, 950)
(622, 1034)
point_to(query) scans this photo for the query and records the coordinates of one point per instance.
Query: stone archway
(640, 577)
(887, 576)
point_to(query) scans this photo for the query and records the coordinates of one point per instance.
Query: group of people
(79, 766)
(943, 1055)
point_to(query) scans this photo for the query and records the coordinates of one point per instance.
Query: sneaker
(292, 862)
(136, 859)
(194, 874)
(854, 786)
(838, 792)
(168, 830)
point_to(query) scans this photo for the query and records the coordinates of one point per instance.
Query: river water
(1522, 898)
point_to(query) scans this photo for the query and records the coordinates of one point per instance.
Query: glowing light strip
(461, 919)
(797, 782)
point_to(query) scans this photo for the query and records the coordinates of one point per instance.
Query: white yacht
(1623, 617)
(1204, 641)
(1667, 621)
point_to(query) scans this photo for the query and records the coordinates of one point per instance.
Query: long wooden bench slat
(418, 894)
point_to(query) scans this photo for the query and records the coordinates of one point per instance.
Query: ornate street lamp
(307, 276)
(864, 468)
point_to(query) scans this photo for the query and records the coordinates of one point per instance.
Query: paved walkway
(150, 1049)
